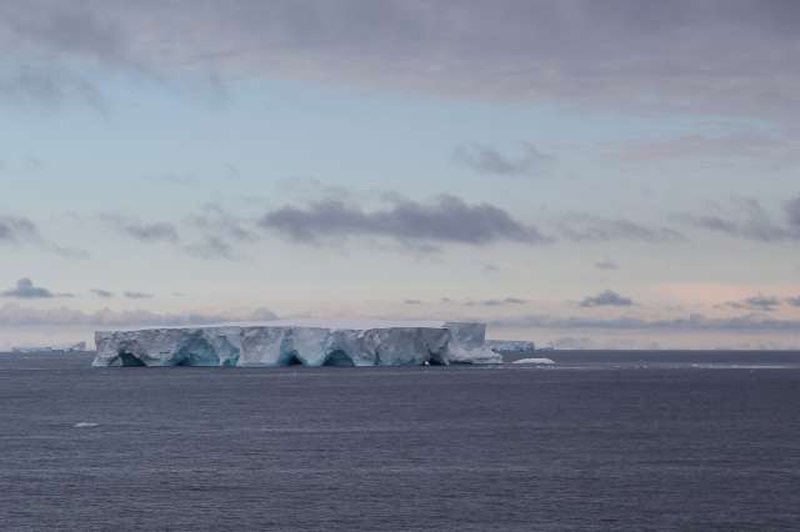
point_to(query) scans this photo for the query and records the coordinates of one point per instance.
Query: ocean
(602, 441)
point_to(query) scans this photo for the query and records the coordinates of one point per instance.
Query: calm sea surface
(604, 441)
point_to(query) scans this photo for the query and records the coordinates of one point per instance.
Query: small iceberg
(85, 425)
(536, 361)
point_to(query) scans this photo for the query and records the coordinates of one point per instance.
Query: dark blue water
(605, 441)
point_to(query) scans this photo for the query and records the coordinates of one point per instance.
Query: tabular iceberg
(309, 344)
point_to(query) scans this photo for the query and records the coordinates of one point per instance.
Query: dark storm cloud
(587, 228)
(25, 289)
(446, 220)
(748, 219)
(483, 159)
(607, 298)
(713, 56)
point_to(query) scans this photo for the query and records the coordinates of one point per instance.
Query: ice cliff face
(278, 344)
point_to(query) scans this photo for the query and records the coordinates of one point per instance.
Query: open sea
(602, 441)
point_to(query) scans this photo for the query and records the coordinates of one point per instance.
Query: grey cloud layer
(759, 302)
(527, 161)
(606, 265)
(762, 303)
(25, 289)
(607, 298)
(137, 295)
(694, 322)
(716, 55)
(749, 220)
(16, 315)
(587, 228)
(99, 292)
(21, 231)
(143, 231)
(447, 220)
(429, 225)
(151, 232)
(776, 147)
(16, 229)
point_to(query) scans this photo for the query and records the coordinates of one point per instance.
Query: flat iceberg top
(343, 324)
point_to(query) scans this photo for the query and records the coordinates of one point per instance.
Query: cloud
(716, 56)
(17, 230)
(99, 292)
(793, 301)
(758, 302)
(214, 218)
(497, 302)
(792, 210)
(48, 85)
(587, 228)
(21, 231)
(447, 220)
(750, 144)
(222, 232)
(213, 247)
(66, 252)
(606, 298)
(694, 322)
(16, 315)
(144, 231)
(489, 269)
(483, 159)
(25, 289)
(606, 265)
(412, 302)
(137, 295)
(747, 219)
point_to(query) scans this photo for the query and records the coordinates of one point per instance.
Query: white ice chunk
(538, 361)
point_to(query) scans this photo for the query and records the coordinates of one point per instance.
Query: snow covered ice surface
(280, 343)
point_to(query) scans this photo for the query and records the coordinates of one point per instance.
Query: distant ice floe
(535, 361)
(511, 347)
(85, 425)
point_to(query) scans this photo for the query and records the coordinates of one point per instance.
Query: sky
(583, 174)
